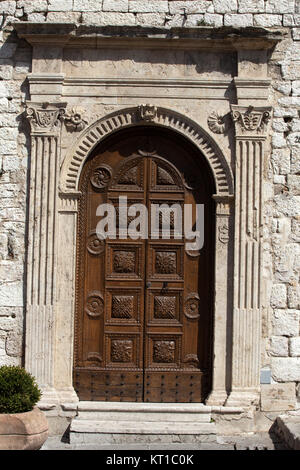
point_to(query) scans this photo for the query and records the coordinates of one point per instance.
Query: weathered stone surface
(295, 346)
(286, 369)
(139, 6)
(267, 20)
(280, 160)
(286, 322)
(225, 6)
(284, 6)
(238, 20)
(89, 5)
(197, 6)
(248, 6)
(108, 18)
(279, 346)
(115, 5)
(278, 296)
(278, 397)
(60, 5)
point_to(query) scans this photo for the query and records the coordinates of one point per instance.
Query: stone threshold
(150, 407)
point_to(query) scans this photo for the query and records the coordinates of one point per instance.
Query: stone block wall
(281, 336)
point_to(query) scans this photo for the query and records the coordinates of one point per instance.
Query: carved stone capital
(251, 121)
(45, 118)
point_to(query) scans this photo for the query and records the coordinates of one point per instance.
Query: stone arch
(134, 116)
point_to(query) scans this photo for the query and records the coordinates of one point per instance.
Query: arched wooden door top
(165, 118)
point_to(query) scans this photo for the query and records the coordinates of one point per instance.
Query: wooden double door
(143, 326)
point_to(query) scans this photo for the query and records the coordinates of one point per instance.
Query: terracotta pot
(23, 431)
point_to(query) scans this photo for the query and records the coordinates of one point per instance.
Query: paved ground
(248, 442)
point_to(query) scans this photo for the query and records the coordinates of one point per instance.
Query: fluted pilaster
(45, 125)
(251, 127)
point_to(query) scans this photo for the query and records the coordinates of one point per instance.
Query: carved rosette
(147, 112)
(164, 351)
(121, 350)
(191, 306)
(95, 245)
(216, 123)
(101, 177)
(45, 118)
(250, 121)
(76, 120)
(165, 262)
(124, 262)
(94, 304)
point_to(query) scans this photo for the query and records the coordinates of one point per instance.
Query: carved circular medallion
(94, 304)
(191, 306)
(216, 123)
(101, 176)
(95, 245)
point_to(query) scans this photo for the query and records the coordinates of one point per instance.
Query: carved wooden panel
(123, 305)
(122, 350)
(166, 261)
(124, 261)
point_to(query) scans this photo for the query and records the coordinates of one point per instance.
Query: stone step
(84, 431)
(151, 412)
(117, 422)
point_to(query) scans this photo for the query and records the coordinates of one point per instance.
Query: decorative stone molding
(127, 117)
(45, 118)
(216, 123)
(76, 120)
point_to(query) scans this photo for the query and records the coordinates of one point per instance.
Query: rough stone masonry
(280, 333)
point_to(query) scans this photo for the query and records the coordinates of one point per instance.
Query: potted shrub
(22, 425)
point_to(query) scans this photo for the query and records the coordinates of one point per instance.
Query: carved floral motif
(95, 245)
(164, 351)
(101, 176)
(121, 350)
(76, 120)
(94, 304)
(191, 306)
(124, 261)
(216, 123)
(165, 262)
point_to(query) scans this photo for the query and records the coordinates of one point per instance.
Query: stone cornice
(206, 38)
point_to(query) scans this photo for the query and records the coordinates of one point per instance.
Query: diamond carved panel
(122, 306)
(164, 307)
